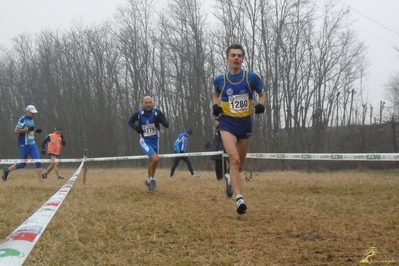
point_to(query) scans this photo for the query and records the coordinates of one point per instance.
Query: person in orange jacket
(55, 142)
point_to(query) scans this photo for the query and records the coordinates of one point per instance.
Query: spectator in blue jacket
(181, 147)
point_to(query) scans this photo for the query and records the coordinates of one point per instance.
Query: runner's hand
(217, 110)
(259, 108)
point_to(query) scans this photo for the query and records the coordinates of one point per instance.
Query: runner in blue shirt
(25, 129)
(180, 146)
(146, 122)
(233, 99)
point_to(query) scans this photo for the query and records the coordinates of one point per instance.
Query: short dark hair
(235, 46)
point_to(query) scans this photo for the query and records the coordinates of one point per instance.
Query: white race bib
(239, 103)
(31, 135)
(149, 130)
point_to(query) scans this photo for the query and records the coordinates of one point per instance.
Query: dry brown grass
(293, 218)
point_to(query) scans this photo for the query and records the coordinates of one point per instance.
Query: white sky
(377, 24)
(371, 17)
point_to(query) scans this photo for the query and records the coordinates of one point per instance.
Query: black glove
(38, 130)
(31, 128)
(217, 110)
(259, 108)
(139, 130)
(43, 152)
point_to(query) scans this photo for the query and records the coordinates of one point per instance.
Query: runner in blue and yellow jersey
(233, 99)
(25, 129)
(146, 122)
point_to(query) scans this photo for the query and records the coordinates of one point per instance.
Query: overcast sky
(377, 24)
(376, 21)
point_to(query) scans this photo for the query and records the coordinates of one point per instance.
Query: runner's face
(235, 59)
(147, 104)
(30, 114)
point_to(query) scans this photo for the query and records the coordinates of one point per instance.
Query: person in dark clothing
(216, 144)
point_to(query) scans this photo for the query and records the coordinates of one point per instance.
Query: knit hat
(189, 131)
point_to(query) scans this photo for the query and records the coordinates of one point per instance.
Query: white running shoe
(147, 183)
(153, 185)
(241, 207)
(195, 175)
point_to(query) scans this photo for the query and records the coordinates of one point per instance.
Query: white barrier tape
(276, 156)
(13, 161)
(17, 246)
(171, 155)
(327, 156)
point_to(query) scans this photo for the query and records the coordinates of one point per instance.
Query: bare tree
(392, 92)
(91, 79)
(184, 56)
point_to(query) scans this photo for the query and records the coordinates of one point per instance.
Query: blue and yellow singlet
(236, 92)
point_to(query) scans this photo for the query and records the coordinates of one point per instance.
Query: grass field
(292, 219)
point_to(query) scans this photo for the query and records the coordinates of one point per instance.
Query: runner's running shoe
(241, 207)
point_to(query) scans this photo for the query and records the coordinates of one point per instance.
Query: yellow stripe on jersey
(237, 107)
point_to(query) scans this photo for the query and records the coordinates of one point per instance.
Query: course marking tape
(272, 156)
(16, 247)
(13, 161)
(327, 156)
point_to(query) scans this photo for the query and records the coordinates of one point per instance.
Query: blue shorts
(240, 127)
(24, 151)
(149, 146)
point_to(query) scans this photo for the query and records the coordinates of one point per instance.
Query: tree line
(90, 79)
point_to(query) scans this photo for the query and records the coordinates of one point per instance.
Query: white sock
(238, 196)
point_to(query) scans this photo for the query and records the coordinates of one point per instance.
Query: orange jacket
(55, 142)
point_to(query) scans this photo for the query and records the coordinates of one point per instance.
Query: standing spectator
(221, 165)
(180, 146)
(146, 121)
(233, 99)
(25, 129)
(55, 142)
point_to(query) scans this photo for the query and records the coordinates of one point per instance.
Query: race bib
(149, 130)
(239, 103)
(31, 135)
